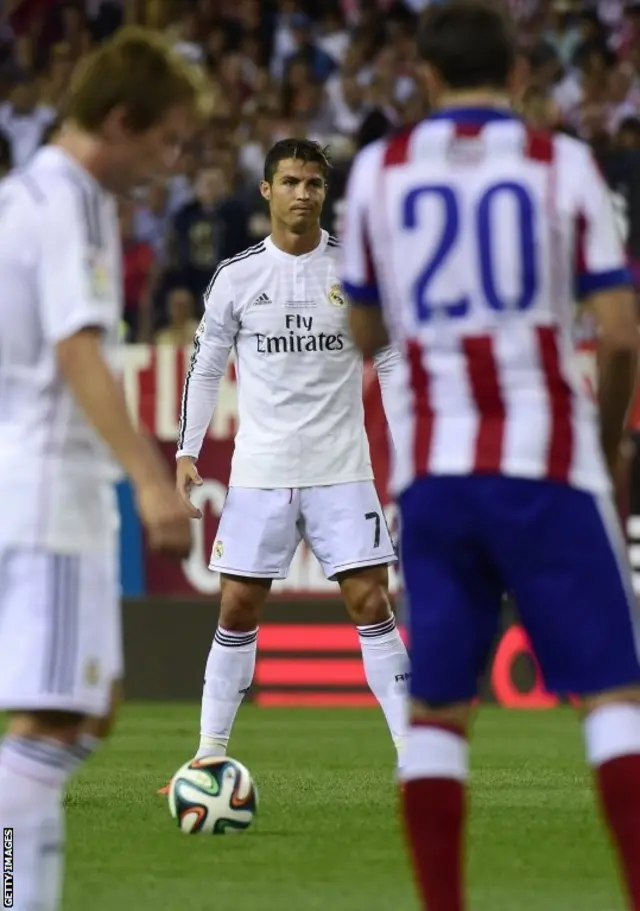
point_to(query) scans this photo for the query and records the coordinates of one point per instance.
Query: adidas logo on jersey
(261, 300)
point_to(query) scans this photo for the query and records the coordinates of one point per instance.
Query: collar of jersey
(476, 116)
(303, 257)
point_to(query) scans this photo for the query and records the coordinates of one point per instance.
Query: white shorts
(60, 630)
(260, 530)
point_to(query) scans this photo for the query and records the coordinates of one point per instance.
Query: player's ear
(519, 79)
(265, 190)
(430, 83)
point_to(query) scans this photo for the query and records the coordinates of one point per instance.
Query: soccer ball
(214, 795)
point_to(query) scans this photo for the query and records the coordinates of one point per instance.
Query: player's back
(480, 230)
(59, 273)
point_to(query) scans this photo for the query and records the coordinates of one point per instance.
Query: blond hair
(137, 70)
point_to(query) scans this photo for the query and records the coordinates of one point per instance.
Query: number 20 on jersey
(482, 218)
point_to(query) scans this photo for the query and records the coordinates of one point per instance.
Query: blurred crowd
(338, 71)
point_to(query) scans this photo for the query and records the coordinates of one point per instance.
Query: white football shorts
(60, 630)
(260, 530)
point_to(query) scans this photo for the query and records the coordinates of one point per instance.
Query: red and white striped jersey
(475, 235)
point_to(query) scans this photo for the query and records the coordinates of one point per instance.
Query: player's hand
(164, 517)
(187, 477)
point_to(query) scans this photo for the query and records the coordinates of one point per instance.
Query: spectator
(321, 65)
(137, 276)
(24, 120)
(152, 218)
(563, 33)
(181, 309)
(200, 234)
(628, 135)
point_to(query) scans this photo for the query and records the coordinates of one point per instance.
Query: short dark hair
(630, 125)
(471, 44)
(300, 149)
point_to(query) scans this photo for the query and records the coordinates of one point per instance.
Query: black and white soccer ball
(214, 796)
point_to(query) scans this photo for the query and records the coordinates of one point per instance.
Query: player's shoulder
(49, 183)
(238, 267)
(372, 155)
(571, 148)
(332, 248)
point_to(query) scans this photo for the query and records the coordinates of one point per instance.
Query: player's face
(137, 158)
(296, 195)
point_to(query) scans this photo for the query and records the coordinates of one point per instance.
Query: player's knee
(53, 725)
(367, 597)
(241, 604)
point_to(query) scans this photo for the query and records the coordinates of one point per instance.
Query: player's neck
(295, 244)
(84, 149)
(475, 98)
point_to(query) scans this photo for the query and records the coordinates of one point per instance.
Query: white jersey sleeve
(389, 365)
(601, 259)
(72, 273)
(358, 276)
(214, 339)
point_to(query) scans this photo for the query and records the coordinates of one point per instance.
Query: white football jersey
(60, 271)
(299, 375)
(476, 235)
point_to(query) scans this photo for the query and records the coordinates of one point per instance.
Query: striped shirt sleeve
(77, 289)
(358, 277)
(601, 261)
(389, 366)
(211, 348)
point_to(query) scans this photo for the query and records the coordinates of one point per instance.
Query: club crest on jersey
(98, 275)
(218, 550)
(336, 295)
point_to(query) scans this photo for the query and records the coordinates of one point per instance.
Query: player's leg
(232, 660)
(345, 527)
(386, 664)
(256, 540)
(453, 601)
(568, 569)
(55, 616)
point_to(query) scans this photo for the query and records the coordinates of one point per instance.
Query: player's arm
(604, 285)
(100, 396)
(211, 347)
(358, 276)
(74, 318)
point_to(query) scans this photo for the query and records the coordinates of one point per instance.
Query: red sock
(619, 787)
(435, 811)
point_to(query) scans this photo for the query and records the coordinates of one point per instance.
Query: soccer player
(301, 466)
(65, 433)
(467, 256)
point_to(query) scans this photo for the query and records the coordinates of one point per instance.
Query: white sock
(33, 775)
(611, 731)
(84, 747)
(386, 667)
(228, 676)
(433, 752)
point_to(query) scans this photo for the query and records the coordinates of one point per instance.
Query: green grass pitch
(328, 836)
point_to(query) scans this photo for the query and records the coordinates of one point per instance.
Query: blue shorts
(559, 551)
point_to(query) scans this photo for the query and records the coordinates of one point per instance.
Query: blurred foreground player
(64, 428)
(467, 256)
(301, 466)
